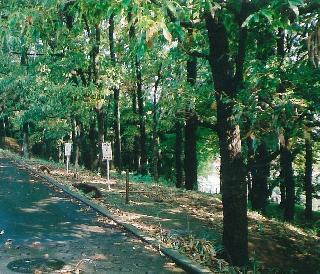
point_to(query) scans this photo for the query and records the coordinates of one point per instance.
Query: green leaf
(268, 14)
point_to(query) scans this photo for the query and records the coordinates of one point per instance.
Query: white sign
(67, 149)
(106, 151)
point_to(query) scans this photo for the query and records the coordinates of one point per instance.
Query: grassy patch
(275, 211)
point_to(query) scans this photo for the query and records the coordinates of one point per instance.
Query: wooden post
(127, 187)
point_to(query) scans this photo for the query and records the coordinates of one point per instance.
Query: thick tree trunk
(234, 188)
(116, 96)
(282, 191)
(286, 159)
(232, 172)
(308, 180)
(190, 150)
(25, 142)
(178, 153)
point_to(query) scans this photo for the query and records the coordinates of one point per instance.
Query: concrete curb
(181, 260)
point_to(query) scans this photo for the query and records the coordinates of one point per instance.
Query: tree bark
(232, 172)
(78, 142)
(2, 132)
(190, 150)
(308, 180)
(142, 126)
(260, 172)
(287, 171)
(93, 163)
(155, 161)
(178, 152)
(138, 98)
(101, 132)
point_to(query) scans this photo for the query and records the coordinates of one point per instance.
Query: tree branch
(198, 54)
(38, 54)
(207, 124)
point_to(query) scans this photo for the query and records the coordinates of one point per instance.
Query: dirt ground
(192, 222)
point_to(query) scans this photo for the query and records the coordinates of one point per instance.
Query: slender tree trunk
(101, 132)
(116, 92)
(232, 172)
(286, 159)
(308, 180)
(178, 153)
(138, 97)
(60, 151)
(260, 172)
(136, 147)
(93, 146)
(78, 142)
(155, 161)
(190, 150)
(2, 132)
(25, 144)
(142, 126)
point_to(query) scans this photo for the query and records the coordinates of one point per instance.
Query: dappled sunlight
(32, 210)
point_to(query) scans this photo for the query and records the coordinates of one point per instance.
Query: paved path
(41, 228)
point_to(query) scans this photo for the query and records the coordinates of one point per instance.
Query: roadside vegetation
(174, 86)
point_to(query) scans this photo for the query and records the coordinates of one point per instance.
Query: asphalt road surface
(42, 231)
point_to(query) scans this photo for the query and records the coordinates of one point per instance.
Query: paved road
(42, 228)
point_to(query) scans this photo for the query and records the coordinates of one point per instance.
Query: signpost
(67, 153)
(107, 155)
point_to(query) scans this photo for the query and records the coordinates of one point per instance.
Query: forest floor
(192, 222)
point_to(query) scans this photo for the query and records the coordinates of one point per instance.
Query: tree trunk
(178, 153)
(286, 159)
(2, 132)
(93, 163)
(61, 151)
(116, 96)
(190, 150)
(25, 144)
(101, 132)
(136, 147)
(141, 161)
(142, 126)
(78, 142)
(155, 161)
(190, 153)
(232, 171)
(282, 183)
(308, 180)
(260, 172)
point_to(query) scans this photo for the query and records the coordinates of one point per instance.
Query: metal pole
(127, 187)
(108, 171)
(68, 164)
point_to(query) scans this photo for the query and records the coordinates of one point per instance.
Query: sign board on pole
(106, 151)
(67, 149)
(67, 153)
